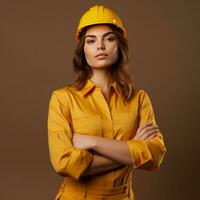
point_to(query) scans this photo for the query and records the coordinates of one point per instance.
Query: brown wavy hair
(119, 70)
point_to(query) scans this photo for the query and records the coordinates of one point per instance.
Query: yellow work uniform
(87, 112)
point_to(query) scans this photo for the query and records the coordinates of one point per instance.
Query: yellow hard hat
(99, 14)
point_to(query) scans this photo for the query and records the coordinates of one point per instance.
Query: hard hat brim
(78, 34)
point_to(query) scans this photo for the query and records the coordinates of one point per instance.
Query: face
(100, 39)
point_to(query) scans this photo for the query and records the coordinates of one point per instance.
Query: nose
(101, 46)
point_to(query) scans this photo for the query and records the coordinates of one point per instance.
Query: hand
(81, 141)
(146, 132)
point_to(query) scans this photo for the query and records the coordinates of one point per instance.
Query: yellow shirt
(87, 111)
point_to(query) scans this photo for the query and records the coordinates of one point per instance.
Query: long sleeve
(147, 154)
(66, 160)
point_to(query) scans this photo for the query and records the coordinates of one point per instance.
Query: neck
(102, 79)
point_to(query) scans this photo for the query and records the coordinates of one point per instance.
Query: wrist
(94, 143)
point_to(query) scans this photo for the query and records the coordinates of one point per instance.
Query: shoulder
(142, 96)
(62, 93)
(140, 93)
(64, 90)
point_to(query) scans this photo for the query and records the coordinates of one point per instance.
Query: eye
(110, 39)
(89, 41)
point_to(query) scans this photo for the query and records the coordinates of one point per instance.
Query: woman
(100, 129)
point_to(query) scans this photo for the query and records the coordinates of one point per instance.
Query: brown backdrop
(36, 48)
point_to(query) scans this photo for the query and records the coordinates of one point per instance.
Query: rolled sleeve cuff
(82, 164)
(140, 152)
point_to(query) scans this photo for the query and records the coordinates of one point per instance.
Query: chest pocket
(87, 124)
(125, 125)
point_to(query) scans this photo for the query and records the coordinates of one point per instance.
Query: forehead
(98, 30)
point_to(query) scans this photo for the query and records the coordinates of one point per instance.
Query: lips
(101, 55)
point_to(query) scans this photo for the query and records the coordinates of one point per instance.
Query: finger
(145, 130)
(151, 136)
(149, 132)
(145, 125)
(151, 128)
(142, 128)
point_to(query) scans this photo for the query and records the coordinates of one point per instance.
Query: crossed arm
(76, 159)
(113, 154)
(101, 164)
(108, 154)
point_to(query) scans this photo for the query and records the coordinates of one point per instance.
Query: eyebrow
(105, 34)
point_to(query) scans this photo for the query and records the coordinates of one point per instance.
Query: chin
(102, 65)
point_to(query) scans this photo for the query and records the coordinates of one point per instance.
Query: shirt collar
(90, 85)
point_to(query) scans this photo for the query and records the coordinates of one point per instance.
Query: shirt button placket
(108, 115)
